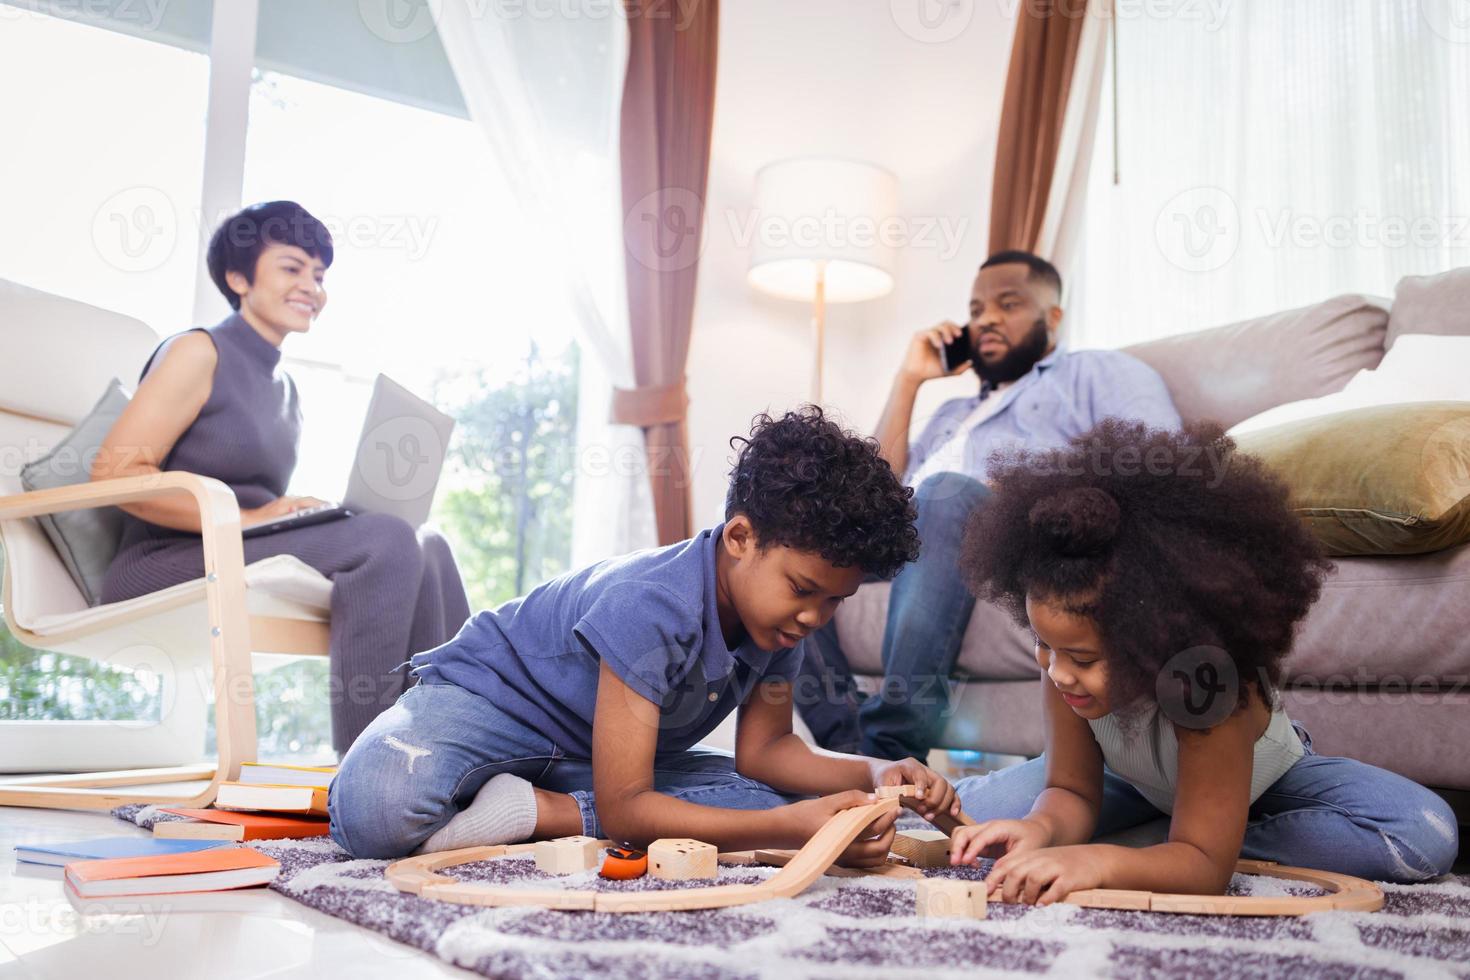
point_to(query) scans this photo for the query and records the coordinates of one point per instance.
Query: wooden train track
(421, 876)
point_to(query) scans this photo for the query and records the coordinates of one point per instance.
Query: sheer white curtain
(546, 92)
(1273, 154)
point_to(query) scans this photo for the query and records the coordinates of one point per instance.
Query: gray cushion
(1431, 304)
(1232, 372)
(86, 540)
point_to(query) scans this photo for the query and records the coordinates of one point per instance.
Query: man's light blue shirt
(1066, 394)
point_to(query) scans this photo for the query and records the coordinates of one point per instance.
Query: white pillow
(1418, 368)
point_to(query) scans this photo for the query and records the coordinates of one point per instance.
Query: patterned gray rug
(866, 927)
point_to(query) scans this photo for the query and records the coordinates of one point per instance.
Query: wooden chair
(56, 357)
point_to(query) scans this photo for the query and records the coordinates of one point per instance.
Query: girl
(1163, 575)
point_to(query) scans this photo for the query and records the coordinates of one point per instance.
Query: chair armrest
(219, 522)
(224, 591)
(218, 508)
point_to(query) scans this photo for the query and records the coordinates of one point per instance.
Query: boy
(575, 709)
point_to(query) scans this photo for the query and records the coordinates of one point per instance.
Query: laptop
(400, 455)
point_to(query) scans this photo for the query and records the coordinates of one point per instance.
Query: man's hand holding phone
(925, 358)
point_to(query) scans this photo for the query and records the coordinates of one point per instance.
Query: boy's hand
(936, 795)
(995, 838)
(1047, 875)
(870, 849)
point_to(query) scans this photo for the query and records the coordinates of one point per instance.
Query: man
(1034, 395)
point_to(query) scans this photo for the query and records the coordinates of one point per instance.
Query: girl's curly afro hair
(1165, 540)
(806, 483)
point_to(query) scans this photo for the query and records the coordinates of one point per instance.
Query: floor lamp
(824, 234)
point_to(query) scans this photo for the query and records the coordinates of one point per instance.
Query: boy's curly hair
(1165, 540)
(805, 482)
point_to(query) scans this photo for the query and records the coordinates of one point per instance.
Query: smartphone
(957, 351)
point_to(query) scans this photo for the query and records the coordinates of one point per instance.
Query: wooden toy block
(922, 848)
(566, 855)
(896, 792)
(681, 859)
(951, 898)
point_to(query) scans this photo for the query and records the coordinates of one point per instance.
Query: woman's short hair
(238, 241)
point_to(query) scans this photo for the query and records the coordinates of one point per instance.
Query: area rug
(867, 927)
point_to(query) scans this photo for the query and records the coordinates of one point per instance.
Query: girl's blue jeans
(1325, 813)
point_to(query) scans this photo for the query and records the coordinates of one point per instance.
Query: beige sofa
(1379, 670)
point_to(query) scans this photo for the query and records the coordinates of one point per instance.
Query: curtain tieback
(649, 405)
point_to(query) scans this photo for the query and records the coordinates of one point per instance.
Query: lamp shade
(829, 218)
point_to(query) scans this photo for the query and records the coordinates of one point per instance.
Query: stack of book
(267, 802)
(185, 859)
(130, 874)
(207, 870)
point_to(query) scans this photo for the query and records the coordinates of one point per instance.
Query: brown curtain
(667, 118)
(1043, 55)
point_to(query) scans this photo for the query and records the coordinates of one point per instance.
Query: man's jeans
(1336, 814)
(424, 759)
(928, 610)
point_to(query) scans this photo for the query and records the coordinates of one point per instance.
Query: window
(98, 202)
(427, 285)
(1333, 157)
(99, 198)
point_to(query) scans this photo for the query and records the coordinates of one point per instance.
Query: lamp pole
(819, 328)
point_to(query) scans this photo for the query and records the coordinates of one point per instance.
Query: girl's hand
(936, 795)
(1048, 875)
(995, 838)
(802, 820)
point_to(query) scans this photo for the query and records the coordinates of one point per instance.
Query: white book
(280, 775)
(281, 799)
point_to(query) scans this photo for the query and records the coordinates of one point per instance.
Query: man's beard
(1017, 361)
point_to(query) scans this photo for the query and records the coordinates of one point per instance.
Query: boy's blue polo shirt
(651, 615)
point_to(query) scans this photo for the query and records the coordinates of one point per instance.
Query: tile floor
(258, 934)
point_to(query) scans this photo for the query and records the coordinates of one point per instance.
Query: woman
(216, 402)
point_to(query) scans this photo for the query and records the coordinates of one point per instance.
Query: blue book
(110, 847)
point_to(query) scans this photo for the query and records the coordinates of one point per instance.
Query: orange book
(212, 870)
(234, 825)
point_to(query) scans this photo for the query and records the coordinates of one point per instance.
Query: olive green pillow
(1387, 480)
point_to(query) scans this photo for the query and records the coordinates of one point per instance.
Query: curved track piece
(1344, 893)
(420, 876)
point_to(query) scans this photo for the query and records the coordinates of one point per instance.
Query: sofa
(1379, 669)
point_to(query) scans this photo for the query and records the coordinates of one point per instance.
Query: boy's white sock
(502, 812)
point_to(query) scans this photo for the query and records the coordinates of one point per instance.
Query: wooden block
(895, 792)
(922, 848)
(738, 857)
(567, 855)
(681, 859)
(951, 898)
